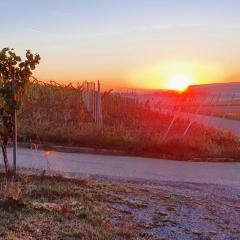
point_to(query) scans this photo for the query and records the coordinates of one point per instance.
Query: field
(205, 104)
(41, 207)
(56, 114)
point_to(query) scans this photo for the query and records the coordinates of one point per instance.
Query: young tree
(14, 77)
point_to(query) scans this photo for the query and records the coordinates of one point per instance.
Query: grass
(60, 208)
(53, 207)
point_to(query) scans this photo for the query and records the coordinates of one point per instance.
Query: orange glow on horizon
(176, 75)
(162, 75)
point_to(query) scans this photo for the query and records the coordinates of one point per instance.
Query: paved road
(132, 167)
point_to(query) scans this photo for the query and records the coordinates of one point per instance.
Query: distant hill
(203, 89)
(215, 88)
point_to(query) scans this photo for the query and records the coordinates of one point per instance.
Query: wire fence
(85, 107)
(91, 95)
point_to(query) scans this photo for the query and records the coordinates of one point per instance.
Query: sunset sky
(127, 43)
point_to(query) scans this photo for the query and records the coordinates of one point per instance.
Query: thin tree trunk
(4, 143)
(5, 159)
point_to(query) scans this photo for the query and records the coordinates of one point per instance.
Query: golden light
(175, 75)
(47, 153)
(179, 82)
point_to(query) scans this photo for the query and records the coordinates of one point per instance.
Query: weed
(11, 192)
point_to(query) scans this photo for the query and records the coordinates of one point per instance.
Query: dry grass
(70, 209)
(11, 191)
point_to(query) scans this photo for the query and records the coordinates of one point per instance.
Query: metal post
(15, 141)
(192, 120)
(175, 115)
(94, 102)
(14, 126)
(100, 106)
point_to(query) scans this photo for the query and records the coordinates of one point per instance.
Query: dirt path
(227, 174)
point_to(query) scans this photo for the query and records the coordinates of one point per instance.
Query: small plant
(12, 192)
(12, 236)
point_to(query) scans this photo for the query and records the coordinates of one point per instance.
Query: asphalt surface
(227, 174)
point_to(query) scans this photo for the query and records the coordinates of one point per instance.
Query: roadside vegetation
(55, 114)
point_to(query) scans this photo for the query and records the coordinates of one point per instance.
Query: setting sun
(179, 82)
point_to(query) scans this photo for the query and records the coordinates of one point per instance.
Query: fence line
(92, 100)
(113, 108)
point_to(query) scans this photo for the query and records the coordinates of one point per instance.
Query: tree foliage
(15, 75)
